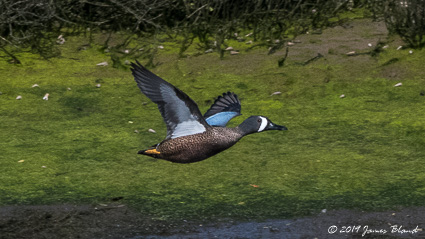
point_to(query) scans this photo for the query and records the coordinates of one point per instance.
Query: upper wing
(181, 114)
(223, 110)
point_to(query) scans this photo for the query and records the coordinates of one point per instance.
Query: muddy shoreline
(121, 221)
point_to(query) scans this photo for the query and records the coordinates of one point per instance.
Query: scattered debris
(43, 167)
(21, 161)
(60, 40)
(277, 41)
(19, 97)
(98, 85)
(102, 64)
(229, 48)
(130, 122)
(142, 49)
(68, 88)
(398, 84)
(235, 34)
(399, 48)
(152, 131)
(136, 131)
(254, 185)
(234, 52)
(290, 43)
(342, 96)
(385, 47)
(249, 42)
(160, 47)
(410, 52)
(276, 93)
(249, 34)
(313, 59)
(209, 50)
(1, 93)
(127, 62)
(126, 51)
(46, 96)
(324, 211)
(351, 53)
(369, 44)
(35, 85)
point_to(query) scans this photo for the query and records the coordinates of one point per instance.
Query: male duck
(192, 137)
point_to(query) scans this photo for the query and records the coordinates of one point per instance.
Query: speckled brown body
(197, 147)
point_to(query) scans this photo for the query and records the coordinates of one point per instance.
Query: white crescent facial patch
(263, 124)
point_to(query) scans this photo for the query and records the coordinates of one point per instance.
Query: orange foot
(152, 151)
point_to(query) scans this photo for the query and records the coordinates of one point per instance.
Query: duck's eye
(259, 120)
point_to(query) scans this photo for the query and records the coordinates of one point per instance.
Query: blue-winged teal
(192, 137)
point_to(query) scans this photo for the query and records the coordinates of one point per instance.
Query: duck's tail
(150, 152)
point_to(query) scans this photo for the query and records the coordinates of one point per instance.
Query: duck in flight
(191, 136)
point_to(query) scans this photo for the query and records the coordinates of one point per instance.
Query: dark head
(256, 124)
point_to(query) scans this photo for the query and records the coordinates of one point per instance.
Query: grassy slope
(363, 151)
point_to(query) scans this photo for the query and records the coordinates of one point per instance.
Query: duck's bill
(272, 126)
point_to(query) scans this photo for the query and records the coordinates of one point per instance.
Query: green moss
(362, 151)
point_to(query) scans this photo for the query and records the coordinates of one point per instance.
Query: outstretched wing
(224, 109)
(180, 113)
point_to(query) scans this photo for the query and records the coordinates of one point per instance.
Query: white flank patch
(263, 124)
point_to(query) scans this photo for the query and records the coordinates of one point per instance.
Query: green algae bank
(355, 141)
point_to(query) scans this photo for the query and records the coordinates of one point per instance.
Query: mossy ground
(363, 151)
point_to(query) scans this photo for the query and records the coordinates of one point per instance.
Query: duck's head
(258, 123)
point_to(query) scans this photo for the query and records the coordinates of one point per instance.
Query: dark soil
(119, 221)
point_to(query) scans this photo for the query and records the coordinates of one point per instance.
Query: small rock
(399, 48)
(229, 48)
(369, 44)
(351, 53)
(234, 52)
(342, 96)
(160, 47)
(21, 161)
(46, 96)
(410, 52)
(276, 93)
(248, 42)
(249, 34)
(35, 85)
(60, 40)
(324, 211)
(290, 43)
(209, 50)
(152, 131)
(313, 11)
(19, 97)
(102, 64)
(98, 85)
(385, 47)
(398, 84)
(126, 51)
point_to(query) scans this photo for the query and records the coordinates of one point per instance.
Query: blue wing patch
(221, 119)
(225, 107)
